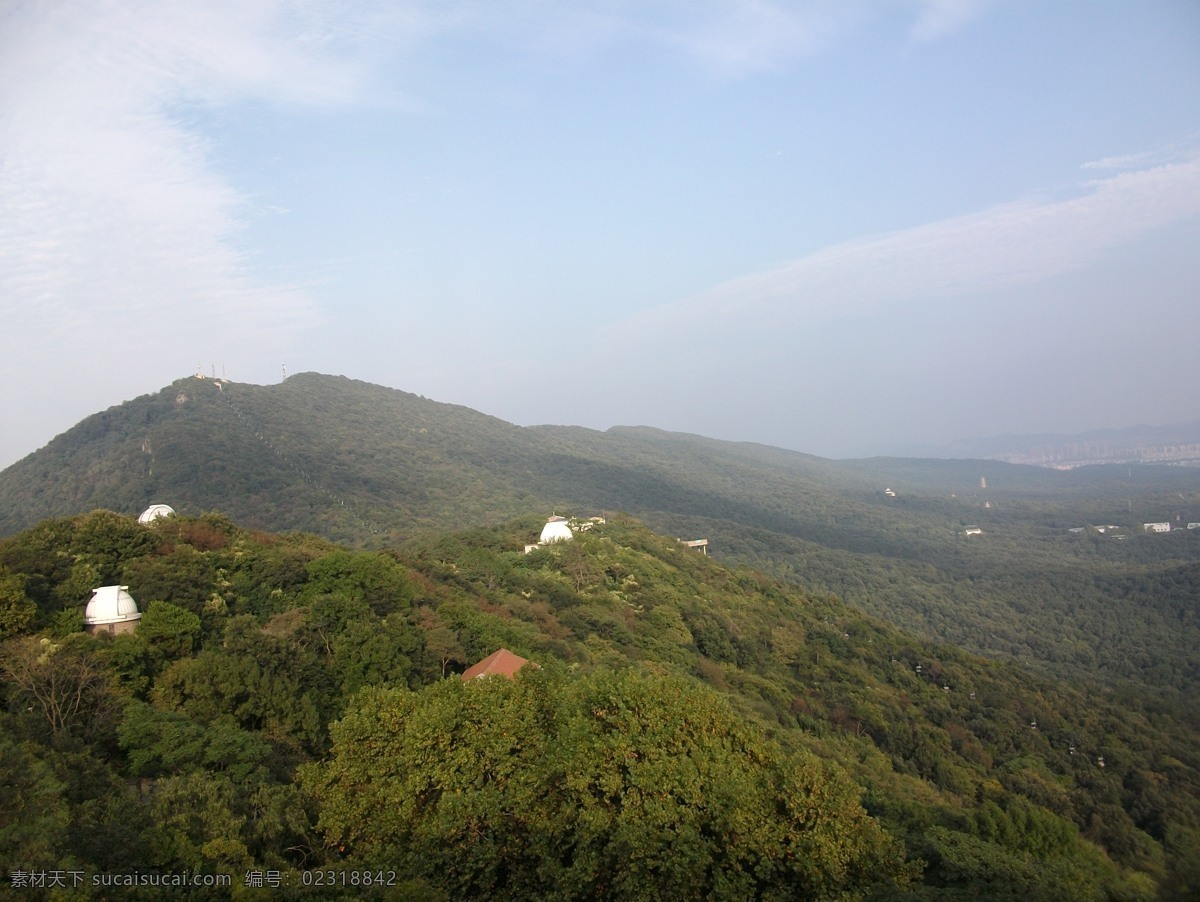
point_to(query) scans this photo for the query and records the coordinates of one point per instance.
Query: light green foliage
(198, 825)
(623, 785)
(375, 652)
(373, 578)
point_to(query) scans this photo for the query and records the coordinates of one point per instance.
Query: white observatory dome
(556, 530)
(111, 605)
(154, 511)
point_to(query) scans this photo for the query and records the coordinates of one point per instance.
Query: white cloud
(751, 35)
(120, 242)
(1014, 244)
(1189, 146)
(116, 224)
(938, 18)
(754, 35)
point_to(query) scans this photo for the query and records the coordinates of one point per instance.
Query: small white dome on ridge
(154, 511)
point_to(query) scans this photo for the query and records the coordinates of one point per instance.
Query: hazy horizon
(839, 229)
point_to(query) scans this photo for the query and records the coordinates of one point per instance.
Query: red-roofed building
(499, 663)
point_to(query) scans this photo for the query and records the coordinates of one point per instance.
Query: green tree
(261, 682)
(62, 688)
(33, 815)
(168, 631)
(17, 609)
(624, 785)
(372, 577)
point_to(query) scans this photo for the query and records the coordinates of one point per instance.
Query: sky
(845, 228)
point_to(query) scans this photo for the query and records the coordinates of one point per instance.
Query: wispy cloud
(1013, 244)
(751, 35)
(1158, 156)
(935, 19)
(121, 245)
(755, 35)
(117, 227)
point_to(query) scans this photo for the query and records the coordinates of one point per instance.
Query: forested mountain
(375, 467)
(288, 712)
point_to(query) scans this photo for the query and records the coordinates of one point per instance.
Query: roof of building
(499, 663)
(111, 604)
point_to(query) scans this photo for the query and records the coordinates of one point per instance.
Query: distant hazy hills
(371, 465)
(1176, 444)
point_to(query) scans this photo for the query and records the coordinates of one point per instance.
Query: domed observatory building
(557, 529)
(111, 610)
(154, 512)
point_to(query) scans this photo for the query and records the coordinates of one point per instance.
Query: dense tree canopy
(694, 728)
(621, 785)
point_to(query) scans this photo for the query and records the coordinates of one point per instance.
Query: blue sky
(839, 227)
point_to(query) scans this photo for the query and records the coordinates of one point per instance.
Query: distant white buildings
(1157, 527)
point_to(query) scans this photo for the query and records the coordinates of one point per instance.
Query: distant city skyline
(842, 229)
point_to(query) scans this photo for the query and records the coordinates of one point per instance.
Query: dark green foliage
(188, 733)
(17, 609)
(33, 815)
(185, 578)
(262, 682)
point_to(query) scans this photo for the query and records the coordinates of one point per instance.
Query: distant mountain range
(375, 466)
(1173, 444)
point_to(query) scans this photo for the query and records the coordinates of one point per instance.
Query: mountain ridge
(375, 467)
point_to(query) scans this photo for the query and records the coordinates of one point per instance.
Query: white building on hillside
(557, 529)
(155, 511)
(111, 610)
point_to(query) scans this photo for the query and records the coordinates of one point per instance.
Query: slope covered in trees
(374, 467)
(785, 742)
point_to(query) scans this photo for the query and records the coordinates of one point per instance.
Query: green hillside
(283, 708)
(376, 467)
